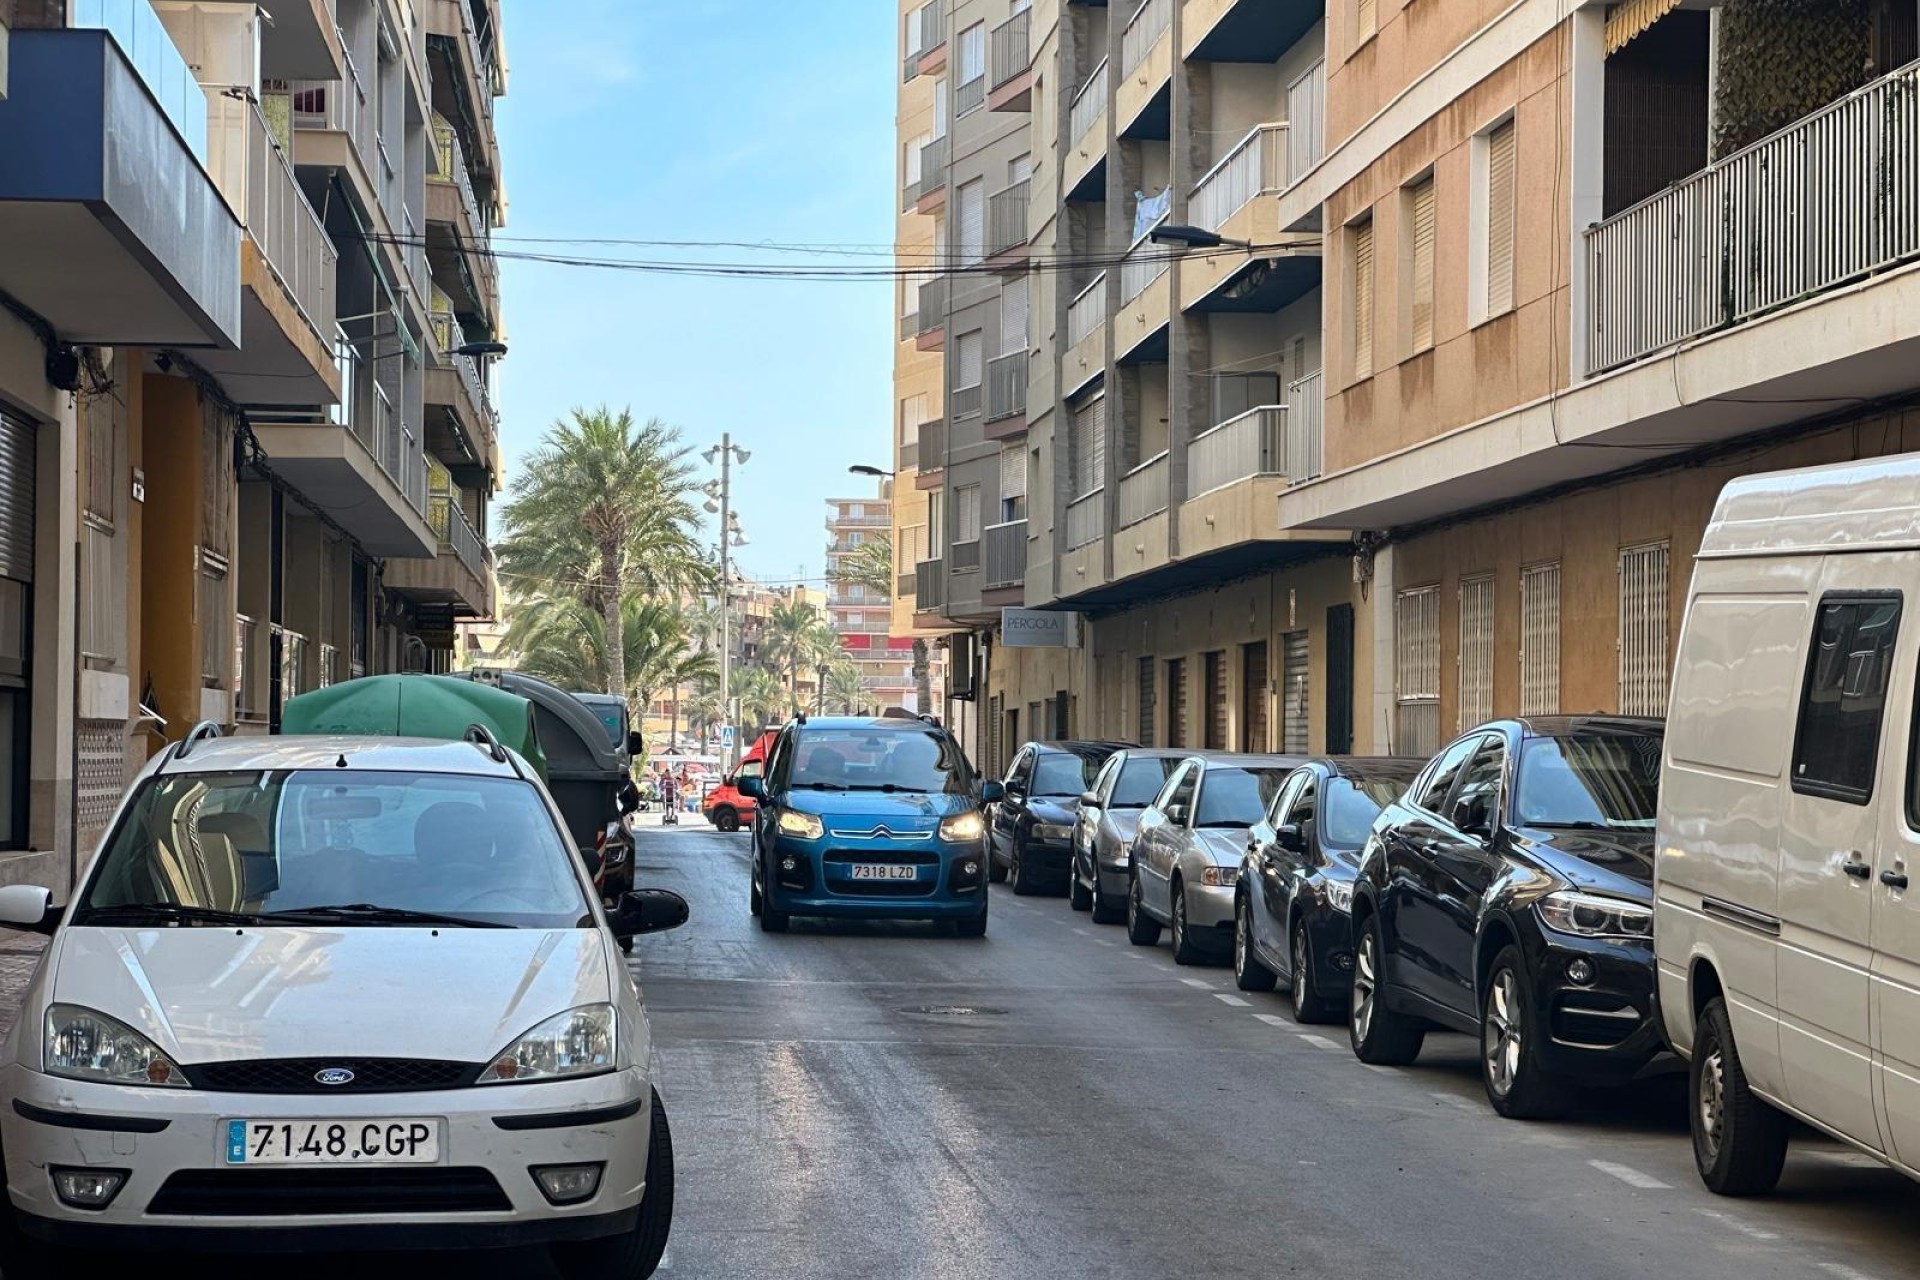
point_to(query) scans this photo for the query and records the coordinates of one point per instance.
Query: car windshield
(1351, 806)
(1064, 774)
(879, 760)
(1589, 781)
(1237, 797)
(1140, 781)
(267, 844)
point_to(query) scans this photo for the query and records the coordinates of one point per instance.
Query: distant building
(863, 618)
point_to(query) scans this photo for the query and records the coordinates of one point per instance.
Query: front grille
(266, 1193)
(883, 888)
(296, 1075)
(891, 857)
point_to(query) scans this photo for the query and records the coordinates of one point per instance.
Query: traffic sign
(726, 734)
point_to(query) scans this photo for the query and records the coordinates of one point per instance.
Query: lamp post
(1194, 238)
(862, 469)
(720, 501)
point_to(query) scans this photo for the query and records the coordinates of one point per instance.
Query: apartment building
(217, 438)
(863, 620)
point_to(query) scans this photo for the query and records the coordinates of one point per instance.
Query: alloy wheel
(1501, 1037)
(1365, 965)
(1298, 989)
(1179, 921)
(1240, 937)
(1713, 1102)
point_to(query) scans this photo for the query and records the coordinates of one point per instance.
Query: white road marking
(1273, 1019)
(1320, 1042)
(1105, 942)
(1136, 955)
(1235, 1001)
(1840, 1271)
(1454, 1101)
(1083, 933)
(1197, 984)
(1744, 1228)
(1379, 1070)
(1631, 1176)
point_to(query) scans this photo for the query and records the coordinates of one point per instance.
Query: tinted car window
(1481, 778)
(1604, 781)
(1063, 775)
(1140, 781)
(1351, 806)
(1237, 797)
(1434, 795)
(859, 759)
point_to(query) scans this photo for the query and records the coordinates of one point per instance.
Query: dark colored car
(1032, 827)
(1509, 895)
(1293, 914)
(1104, 827)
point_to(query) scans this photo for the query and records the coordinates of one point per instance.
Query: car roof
(339, 752)
(1863, 505)
(1243, 760)
(1360, 768)
(1156, 753)
(1569, 726)
(898, 724)
(1079, 747)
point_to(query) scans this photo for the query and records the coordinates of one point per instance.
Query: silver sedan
(1188, 848)
(1104, 828)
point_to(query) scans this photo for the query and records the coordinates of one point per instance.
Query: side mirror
(1177, 814)
(1090, 799)
(1471, 817)
(753, 788)
(1290, 837)
(649, 911)
(636, 745)
(28, 907)
(992, 793)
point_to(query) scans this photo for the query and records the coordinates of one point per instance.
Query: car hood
(1225, 845)
(1619, 862)
(1125, 822)
(211, 995)
(900, 810)
(1053, 809)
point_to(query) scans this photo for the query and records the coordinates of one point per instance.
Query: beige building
(865, 621)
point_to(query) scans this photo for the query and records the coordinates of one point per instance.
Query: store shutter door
(16, 499)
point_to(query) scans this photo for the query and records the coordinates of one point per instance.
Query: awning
(1631, 18)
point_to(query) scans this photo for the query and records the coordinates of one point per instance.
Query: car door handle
(1858, 870)
(1894, 879)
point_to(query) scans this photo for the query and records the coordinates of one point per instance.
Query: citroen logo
(883, 832)
(334, 1076)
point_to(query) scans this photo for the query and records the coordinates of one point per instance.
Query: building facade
(863, 620)
(241, 454)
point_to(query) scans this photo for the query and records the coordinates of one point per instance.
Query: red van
(724, 806)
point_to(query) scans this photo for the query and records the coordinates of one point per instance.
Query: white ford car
(335, 993)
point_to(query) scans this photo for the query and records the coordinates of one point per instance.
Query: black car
(1292, 914)
(1032, 831)
(1509, 895)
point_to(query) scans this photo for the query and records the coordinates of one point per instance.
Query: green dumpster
(416, 706)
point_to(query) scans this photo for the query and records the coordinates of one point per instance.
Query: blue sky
(706, 120)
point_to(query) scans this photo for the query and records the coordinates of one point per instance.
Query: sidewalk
(19, 953)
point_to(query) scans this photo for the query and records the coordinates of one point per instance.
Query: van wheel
(725, 818)
(1739, 1142)
(1380, 1037)
(635, 1255)
(1510, 1048)
(1142, 929)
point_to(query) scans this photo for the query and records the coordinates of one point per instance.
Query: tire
(1380, 1037)
(1185, 949)
(1142, 929)
(1079, 897)
(756, 898)
(1104, 912)
(996, 869)
(1025, 883)
(725, 818)
(635, 1255)
(1739, 1142)
(1517, 1085)
(976, 926)
(1309, 1007)
(1249, 974)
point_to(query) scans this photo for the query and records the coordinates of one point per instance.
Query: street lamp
(862, 469)
(1194, 238)
(720, 501)
(481, 349)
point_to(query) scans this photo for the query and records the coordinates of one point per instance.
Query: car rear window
(1140, 781)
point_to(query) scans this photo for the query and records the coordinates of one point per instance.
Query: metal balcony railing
(1306, 432)
(1007, 218)
(970, 95)
(246, 692)
(1149, 22)
(1252, 444)
(1087, 518)
(933, 445)
(966, 401)
(452, 162)
(930, 585)
(457, 537)
(1145, 262)
(964, 557)
(1255, 167)
(257, 179)
(1007, 386)
(446, 332)
(1089, 103)
(1004, 554)
(1087, 310)
(933, 305)
(1011, 47)
(933, 167)
(1826, 200)
(1143, 491)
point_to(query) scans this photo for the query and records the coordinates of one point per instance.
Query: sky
(705, 120)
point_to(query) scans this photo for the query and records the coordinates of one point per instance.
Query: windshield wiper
(879, 786)
(136, 913)
(373, 913)
(821, 786)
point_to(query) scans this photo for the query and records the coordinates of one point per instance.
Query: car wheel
(1308, 1006)
(996, 869)
(1185, 950)
(976, 927)
(1104, 912)
(756, 897)
(1380, 1036)
(1021, 876)
(1142, 929)
(1249, 974)
(772, 920)
(1517, 1085)
(635, 1255)
(1079, 897)
(1739, 1142)
(725, 819)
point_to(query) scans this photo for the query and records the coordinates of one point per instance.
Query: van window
(1838, 738)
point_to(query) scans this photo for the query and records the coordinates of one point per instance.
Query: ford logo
(334, 1076)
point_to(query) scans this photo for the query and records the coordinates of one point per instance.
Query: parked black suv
(1509, 895)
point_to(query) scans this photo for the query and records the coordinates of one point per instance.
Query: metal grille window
(1417, 671)
(1476, 652)
(216, 621)
(1501, 197)
(1255, 689)
(1540, 640)
(1147, 708)
(1176, 702)
(101, 748)
(1362, 311)
(1213, 675)
(993, 735)
(1643, 630)
(973, 222)
(1293, 693)
(1087, 443)
(1420, 258)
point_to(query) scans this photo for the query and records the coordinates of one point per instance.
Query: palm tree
(760, 696)
(793, 638)
(842, 685)
(560, 639)
(601, 507)
(871, 566)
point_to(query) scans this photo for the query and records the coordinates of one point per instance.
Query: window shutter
(973, 53)
(912, 159)
(1363, 300)
(1540, 640)
(973, 222)
(1366, 18)
(1417, 671)
(940, 108)
(1088, 442)
(1013, 316)
(967, 358)
(1476, 652)
(1294, 675)
(967, 518)
(1500, 217)
(1423, 265)
(1013, 471)
(1643, 630)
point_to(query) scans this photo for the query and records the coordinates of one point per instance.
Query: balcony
(459, 575)
(1233, 199)
(1087, 519)
(465, 432)
(1010, 64)
(1306, 430)
(1007, 225)
(1245, 30)
(1004, 555)
(466, 78)
(932, 188)
(1824, 202)
(932, 454)
(930, 586)
(871, 520)
(1259, 442)
(1144, 102)
(964, 557)
(1256, 166)
(1086, 357)
(1143, 491)
(933, 38)
(970, 95)
(931, 333)
(1007, 388)
(112, 229)
(1086, 135)
(458, 233)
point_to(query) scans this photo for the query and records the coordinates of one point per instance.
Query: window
(1419, 294)
(913, 412)
(1476, 652)
(1232, 797)
(967, 513)
(936, 523)
(1064, 774)
(1643, 630)
(1013, 317)
(973, 222)
(1293, 693)
(1501, 196)
(973, 53)
(1020, 168)
(1255, 690)
(1366, 20)
(1417, 671)
(1837, 742)
(967, 360)
(1213, 684)
(939, 108)
(1144, 725)
(1481, 779)
(1179, 790)
(911, 159)
(1087, 447)
(1596, 780)
(1140, 780)
(1540, 640)
(1176, 702)
(1439, 780)
(1360, 238)
(1013, 483)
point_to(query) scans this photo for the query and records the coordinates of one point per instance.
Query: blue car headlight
(803, 826)
(962, 828)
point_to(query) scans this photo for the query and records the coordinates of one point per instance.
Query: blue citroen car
(871, 819)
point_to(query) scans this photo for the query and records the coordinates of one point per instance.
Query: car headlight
(1051, 831)
(576, 1043)
(962, 828)
(1591, 915)
(806, 826)
(84, 1045)
(1122, 853)
(1340, 896)
(1220, 877)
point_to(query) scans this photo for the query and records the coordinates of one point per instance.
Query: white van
(1788, 940)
